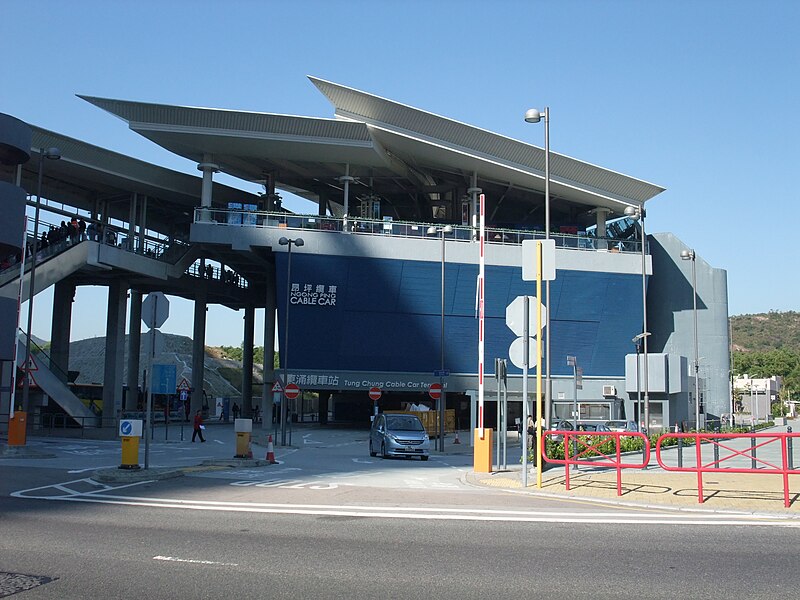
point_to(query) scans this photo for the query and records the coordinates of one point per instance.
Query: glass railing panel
(404, 229)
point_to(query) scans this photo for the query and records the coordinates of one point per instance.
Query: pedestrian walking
(198, 426)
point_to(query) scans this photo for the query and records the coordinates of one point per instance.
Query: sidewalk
(741, 492)
(657, 488)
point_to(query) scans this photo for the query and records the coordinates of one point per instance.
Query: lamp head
(52, 153)
(283, 241)
(447, 229)
(532, 115)
(298, 242)
(687, 254)
(632, 213)
(431, 230)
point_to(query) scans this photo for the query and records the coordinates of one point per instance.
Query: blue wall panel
(386, 316)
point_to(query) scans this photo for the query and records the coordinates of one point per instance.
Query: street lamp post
(533, 115)
(637, 342)
(287, 242)
(443, 396)
(690, 255)
(637, 213)
(51, 154)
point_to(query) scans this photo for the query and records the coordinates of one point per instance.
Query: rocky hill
(766, 331)
(222, 376)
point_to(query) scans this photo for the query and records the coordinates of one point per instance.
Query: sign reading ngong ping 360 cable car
(310, 294)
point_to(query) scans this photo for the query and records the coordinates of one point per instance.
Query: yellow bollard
(243, 429)
(483, 451)
(242, 444)
(130, 430)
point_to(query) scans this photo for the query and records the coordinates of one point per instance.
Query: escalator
(51, 381)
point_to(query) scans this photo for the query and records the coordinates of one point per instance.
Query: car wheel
(383, 450)
(424, 457)
(371, 451)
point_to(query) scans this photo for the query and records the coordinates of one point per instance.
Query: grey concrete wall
(671, 319)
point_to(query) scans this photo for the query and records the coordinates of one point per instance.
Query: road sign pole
(499, 410)
(149, 414)
(525, 361)
(538, 365)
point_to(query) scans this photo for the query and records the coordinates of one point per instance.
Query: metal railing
(212, 272)
(163, 250)
(590, 448)
(728, 459)
(405, 229)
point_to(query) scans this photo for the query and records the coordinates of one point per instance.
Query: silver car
(398, 435)
(622, 425)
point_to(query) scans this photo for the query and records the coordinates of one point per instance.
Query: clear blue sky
(700, 97)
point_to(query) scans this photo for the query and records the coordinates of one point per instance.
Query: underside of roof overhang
(409, 160)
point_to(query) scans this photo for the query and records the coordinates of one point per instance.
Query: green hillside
(768, 344)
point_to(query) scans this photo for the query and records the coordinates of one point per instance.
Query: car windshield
(403, 423)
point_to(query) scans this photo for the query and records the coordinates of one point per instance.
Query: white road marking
(362, 461)
(92, 469)
(194, 561)
(220, 442)
(417, 512)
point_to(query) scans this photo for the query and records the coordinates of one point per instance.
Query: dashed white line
(194, 561)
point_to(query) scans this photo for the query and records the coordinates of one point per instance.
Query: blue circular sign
(126, 427)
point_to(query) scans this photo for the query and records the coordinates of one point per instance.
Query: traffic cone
(456, 441)
(270, 452)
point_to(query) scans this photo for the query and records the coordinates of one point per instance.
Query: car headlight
(425, 438)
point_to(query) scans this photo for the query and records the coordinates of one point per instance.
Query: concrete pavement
(749, 493)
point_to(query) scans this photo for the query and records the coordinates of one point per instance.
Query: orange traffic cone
(270, 452)
(456, 441)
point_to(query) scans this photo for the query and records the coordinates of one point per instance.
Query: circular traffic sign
(374, 393)
(292, 391)
(435, 391)
(126, 427)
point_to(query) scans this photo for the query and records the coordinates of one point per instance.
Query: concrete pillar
(132, 211)
(346, 179)
(601, 215)
(198, 350)
(63, 297)
(142, 224)
(115, 351)
(474, 191)
(247, 360)
(208, 168)
(324, 398)
(267, 396)
(134, 345)
(322, 206)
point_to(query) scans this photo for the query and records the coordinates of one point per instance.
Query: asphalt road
(329, 522)
(116, 551)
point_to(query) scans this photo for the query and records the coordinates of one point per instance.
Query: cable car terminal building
(378, 288)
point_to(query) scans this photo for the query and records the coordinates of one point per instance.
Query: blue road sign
(126, 427)
(163, 380)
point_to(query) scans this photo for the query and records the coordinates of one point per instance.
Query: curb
(7, 451)
(160, 473)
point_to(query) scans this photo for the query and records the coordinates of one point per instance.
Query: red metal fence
(588, 451)
(727, 462)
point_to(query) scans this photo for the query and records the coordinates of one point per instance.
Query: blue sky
(700, 97)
